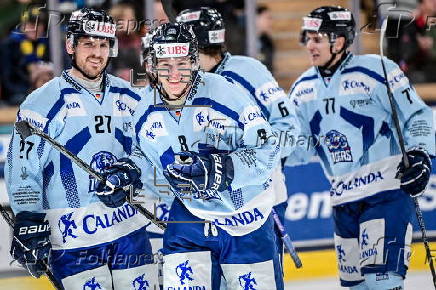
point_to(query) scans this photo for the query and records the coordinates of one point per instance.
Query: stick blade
(23, 128)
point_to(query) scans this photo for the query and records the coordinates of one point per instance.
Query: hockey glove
(415, 178)
(206, 174)
(121, 175)
(31, 244)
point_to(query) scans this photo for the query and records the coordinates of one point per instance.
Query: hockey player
(188, 115)
(94, 239)
(255, 79)
(342, 103)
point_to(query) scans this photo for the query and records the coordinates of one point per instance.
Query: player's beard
(87, 72)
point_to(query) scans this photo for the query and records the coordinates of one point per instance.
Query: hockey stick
(286, 240)
(25, 130)
(11, 223)
(403, 151)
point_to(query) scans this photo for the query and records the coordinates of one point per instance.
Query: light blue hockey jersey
(348, 123)
(257, 80)
(40, 179)
(220, 114)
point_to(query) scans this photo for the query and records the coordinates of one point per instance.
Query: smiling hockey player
(254, 77)
(342, 102)
(187, 116)
(95, 239)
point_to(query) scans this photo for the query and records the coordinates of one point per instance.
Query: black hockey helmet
(95, 23)
(208, 25)
(171, 40)
(332, 20)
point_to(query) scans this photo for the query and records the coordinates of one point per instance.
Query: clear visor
(105, 45)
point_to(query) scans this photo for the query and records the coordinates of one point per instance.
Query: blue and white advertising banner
(309, 214)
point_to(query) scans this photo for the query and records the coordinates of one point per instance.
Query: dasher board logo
(338, 147)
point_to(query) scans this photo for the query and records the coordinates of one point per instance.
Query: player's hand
(208, 172)
(414, 179)
(120, 177)
(31, 244)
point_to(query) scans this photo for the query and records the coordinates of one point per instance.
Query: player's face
(92, 55)
(318, 46)
(174, 74)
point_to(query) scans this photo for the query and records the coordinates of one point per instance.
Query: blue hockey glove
(31, 244)
(207, 174)
(414, 179)
(121, 175)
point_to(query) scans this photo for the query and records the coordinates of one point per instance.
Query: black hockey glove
(121, 175)
(31, 244)
(414, 179)
(206, 174)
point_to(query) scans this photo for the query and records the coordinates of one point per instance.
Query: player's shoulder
(239, 66)
(304, 86)
(119, 85)
(371, 65)
(43, 98)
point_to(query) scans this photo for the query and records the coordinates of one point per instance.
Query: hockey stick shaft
(11, 223)
(405, 158)
(22, 126)
(286, 240)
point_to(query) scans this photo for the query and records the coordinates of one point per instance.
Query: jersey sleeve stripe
(125, 91)
(246, 84)
(309, 78)
(364, 70)
(219, 108)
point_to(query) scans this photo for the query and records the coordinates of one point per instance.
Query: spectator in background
(22, 48)
(40, 73)
(264, 40)
(418, 44)
(129, 41)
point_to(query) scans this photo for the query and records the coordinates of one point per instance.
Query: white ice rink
(418, 280)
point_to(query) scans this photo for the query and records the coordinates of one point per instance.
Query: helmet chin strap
(181, 98)
(333, 57)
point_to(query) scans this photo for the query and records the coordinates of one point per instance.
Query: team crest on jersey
(247, 282)
(140, 283)
(184, 272)
(269, 92)
(66, 226)
(154, 127)
(338, 147)
(99, 162)
(91, 284)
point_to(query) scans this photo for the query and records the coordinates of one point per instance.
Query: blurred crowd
(25, 53)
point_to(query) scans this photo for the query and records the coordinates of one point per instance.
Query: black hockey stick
(286, 240)
(24, 129)
(11, 223)
(405, 158)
